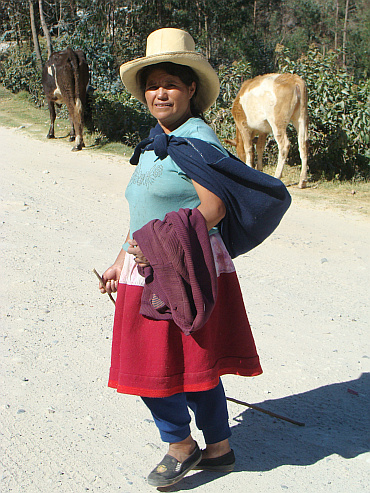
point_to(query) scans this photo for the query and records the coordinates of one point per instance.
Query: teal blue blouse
(160, 186)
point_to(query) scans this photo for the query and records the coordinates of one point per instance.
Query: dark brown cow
(65, 78)
(266, 104)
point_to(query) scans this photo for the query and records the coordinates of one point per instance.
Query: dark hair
(183, 72)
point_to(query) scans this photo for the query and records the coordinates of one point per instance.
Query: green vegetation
(18, 111)
(324, 42)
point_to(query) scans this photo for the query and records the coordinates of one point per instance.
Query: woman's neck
(167, 129)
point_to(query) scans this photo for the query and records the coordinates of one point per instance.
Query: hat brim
(209, 85)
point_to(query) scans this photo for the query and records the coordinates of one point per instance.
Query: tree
(35, 36)
(345, 33)
(336, 24)
(45, 29)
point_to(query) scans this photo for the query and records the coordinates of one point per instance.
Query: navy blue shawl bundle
(255, 202)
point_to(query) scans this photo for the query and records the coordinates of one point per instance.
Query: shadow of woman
(336, 418)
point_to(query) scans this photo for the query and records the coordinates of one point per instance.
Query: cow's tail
(74, 63)
(303, 98)
(303, 130)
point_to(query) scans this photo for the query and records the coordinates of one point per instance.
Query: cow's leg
(247, 139)
(72, 133)
(239, 145)
(78, 121)
(249, 153)
(283, 143)
(52, 112)
(302, 131)
(260, 146)
(75, 119)
(249, 149)
(71, 117)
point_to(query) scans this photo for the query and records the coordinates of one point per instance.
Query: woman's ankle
(218, 449)
(182, 450)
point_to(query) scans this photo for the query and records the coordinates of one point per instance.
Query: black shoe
(225, 463)
(169, 471)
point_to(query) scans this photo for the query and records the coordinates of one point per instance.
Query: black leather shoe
(169, 471)
(225, 463)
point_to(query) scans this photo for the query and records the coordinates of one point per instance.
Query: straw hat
(176, 46)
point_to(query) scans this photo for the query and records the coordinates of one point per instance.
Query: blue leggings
(171, 415)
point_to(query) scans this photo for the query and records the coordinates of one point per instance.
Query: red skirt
(153, 358)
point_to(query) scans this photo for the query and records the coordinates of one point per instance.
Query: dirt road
(306, 290)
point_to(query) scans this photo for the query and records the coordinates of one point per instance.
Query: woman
(151, 358)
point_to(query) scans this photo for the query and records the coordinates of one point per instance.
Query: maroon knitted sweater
(181, 281)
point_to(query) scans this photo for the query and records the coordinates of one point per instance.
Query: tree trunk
(14, 18)
(110, 22)
(336, 25)
(199, 12)
(17, 16)
(345, 34)
(208, 41)
(114, 24)
(34, 36)
(45, 29)
(159, 12)
(255, 15)
(60, 15)
(73, 10)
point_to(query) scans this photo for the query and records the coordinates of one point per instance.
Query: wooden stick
(257, 408)
(103, 283)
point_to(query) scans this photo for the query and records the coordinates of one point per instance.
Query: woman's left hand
(134, 249)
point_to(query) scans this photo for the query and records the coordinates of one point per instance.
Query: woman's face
(168, 99)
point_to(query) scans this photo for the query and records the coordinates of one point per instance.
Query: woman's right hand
(110, 277)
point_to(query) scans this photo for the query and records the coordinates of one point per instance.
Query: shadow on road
(336, 418)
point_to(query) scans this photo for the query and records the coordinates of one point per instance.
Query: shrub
(19, 72)
(231, 78)
(118, 117)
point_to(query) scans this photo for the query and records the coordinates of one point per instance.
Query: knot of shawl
(160, 145)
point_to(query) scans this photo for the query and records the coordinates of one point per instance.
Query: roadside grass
(17, 111)
(351, 196)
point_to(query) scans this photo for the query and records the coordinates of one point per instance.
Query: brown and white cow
(267, 104)
(65, 78)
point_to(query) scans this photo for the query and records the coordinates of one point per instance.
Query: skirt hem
(195, 387)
